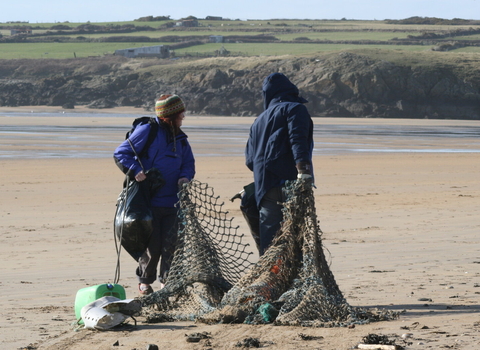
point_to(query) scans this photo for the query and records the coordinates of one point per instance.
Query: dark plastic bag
(133, 225)
(249, 209)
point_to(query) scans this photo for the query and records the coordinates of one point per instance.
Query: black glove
(304, 170)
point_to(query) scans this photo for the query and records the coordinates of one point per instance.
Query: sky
(52, 11)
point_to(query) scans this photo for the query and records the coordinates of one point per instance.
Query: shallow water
(228, 139)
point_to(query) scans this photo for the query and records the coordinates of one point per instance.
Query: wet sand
(401, 230)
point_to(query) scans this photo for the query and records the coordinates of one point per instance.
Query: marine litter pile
(291, 284)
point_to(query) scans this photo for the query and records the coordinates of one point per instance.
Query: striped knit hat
(169, 105)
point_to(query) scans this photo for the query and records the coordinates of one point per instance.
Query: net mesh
(291, 284)
(210, 257)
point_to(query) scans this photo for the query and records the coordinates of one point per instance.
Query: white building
(161, 51)
(216, 38)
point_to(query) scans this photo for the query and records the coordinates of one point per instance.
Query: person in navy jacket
(171, 154)
(279, 148)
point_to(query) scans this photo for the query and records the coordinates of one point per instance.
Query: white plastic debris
(108, 312)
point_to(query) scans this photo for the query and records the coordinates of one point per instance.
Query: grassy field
(335, 36)
(159, 34)
(72, 25)
(280, 49)
(340, 32)
(60, 50)
(71, 50)
(468, 37)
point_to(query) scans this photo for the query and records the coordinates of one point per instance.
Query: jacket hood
(278, 86)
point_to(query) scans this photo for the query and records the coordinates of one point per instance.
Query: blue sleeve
(249, 151)
(299, 131)
(188, 162)
(125, 157)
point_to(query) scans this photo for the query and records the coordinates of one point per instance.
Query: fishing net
(209, 259)
(291, 284)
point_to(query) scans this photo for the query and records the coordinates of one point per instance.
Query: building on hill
(160, 51)
(216, 38)
(187, 23)
(214, 18)
(24, 31)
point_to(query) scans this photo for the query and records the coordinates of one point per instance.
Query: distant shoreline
(317, 120)
(77, 109)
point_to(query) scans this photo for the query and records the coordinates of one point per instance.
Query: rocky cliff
(342, 84)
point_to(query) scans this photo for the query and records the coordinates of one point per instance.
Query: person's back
(279, 148)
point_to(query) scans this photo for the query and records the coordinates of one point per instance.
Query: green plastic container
(88, 295)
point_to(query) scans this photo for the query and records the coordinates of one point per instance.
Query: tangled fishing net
(291, 284)
(210, 257)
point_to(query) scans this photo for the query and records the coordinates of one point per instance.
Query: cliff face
(337, 85)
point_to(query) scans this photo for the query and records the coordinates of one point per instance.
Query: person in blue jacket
(171, 154)
(279, 148)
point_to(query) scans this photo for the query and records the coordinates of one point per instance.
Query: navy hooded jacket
(280, 137)
(172, 156)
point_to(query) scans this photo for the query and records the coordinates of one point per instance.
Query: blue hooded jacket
(172, 156)
(280, 137)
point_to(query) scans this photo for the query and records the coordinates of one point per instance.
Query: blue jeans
(162, 244)
(271, 217)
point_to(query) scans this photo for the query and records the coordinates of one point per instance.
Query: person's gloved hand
(304, 176)
(304, 167)
(182, 181)
(304, 170)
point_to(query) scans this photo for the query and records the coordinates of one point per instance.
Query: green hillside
(241, 38)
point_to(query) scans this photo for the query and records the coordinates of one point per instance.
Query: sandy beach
(401, 229)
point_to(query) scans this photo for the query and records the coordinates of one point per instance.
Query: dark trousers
(162, 244)
(271, 216)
